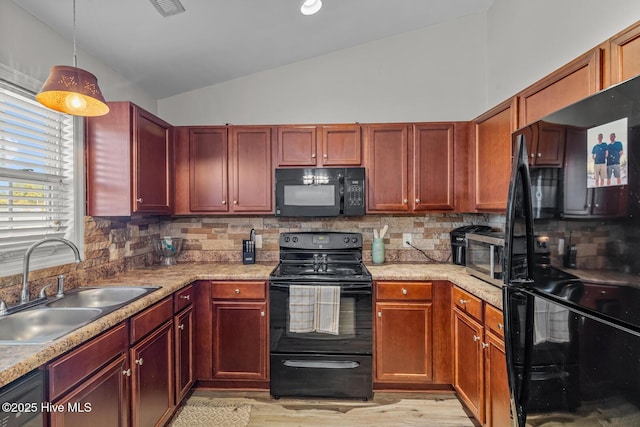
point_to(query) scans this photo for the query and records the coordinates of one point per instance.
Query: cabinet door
(208, 185)
(240, 340)
(571, 83)
(102, 400)
(251, 172)
(341, 145)
(492, 156)
(497, 403)
(403, 343)
(152, 378)
(296, 146)
(468, 362)
(549, 147)
(152, 164)
(185, 335)
(625, 54)
(433, 146)
(388, 168)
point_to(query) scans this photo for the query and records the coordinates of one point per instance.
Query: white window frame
(47, 255)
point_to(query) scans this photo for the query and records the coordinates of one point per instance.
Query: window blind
(36, 180)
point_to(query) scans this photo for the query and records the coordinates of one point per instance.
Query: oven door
(353, 334)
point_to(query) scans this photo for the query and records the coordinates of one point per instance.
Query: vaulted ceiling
(218, 40)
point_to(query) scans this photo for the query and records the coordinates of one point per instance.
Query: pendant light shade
(73, 91)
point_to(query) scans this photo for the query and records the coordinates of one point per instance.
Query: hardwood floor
(437, 409)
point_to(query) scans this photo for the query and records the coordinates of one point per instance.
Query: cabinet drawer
(467, 302)
(75, 366)
(183, 298)
(151, 318)
(238, 290)
(493, 320)
(404, 291)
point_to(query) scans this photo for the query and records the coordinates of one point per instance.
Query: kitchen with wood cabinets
(451, 333)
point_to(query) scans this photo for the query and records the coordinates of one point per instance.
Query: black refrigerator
(572, 316)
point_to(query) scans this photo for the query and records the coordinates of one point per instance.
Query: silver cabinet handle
(463, 301)
(187, 297)
(313, 156)
(405, 200)
(139, 200)
(404, 291)
(235, 202)
(325, 156)
(224, 202)
(476, 338)
(262, 314)
(127, 373)
(539, 154)
(417, 200)
(379, 314)
(237, 291)
(181, 327)
(500, 326)
(139, 361)
(484, 345)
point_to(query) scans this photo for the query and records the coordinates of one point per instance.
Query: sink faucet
(24, 297)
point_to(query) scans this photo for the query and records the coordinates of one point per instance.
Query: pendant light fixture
(72, 90)
(309, 7)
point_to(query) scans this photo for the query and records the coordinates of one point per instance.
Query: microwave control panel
(354, 192)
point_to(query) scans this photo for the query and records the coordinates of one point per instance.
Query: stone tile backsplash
(114, 245)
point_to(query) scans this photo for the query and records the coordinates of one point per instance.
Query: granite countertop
(17, 360)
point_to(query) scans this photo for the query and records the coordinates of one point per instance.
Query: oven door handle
(326, 364)
(361, 288)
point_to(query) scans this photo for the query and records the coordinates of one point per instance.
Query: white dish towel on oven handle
(302, 307)
(327, 316)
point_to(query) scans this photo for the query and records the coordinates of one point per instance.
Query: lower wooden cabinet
(480, 364)
(468, 362)
(184, 324)
(152, 371)
(100, 401)
(231, 338)
(94, 380)
(403, 332)
(412, 346)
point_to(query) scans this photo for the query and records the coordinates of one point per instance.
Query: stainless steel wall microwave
(318, 192)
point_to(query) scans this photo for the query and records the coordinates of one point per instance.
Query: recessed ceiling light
(168, 7)
(309, 7)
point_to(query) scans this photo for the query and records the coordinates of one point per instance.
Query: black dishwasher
(22, 401)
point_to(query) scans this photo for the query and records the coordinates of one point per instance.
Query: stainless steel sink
(39, 325)
(101, 296)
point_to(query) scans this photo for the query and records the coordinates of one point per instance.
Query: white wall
(432, 74)
(31, 47)
(453, 71)
(529, 39)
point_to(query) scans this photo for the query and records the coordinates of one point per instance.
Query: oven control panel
(321, 240)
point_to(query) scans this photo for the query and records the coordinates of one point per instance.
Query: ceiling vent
(168, 7)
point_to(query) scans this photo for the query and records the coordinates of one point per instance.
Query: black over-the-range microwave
(320, 192)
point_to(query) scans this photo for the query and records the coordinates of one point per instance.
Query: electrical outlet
(406, 237)
(258, 241)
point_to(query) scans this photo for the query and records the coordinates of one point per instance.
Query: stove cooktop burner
(326, 256)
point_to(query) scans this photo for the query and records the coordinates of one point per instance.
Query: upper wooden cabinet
(491, 156)
(545, 144)
(410, 168)
(223, 170)
(330, 145)
(624, 49)
(576, 80)
(128, 159)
